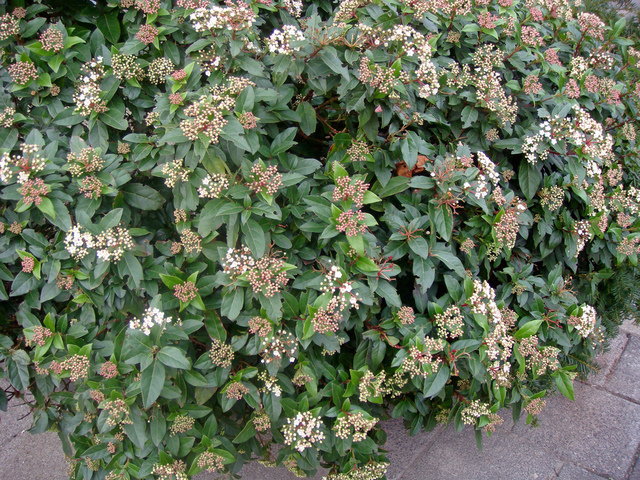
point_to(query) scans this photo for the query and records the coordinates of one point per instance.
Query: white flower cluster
(280, 40)
(29, 162)
(77, 242)
(586, 322)
(152, 316)
(238, 261)
(109, 245)
(483, 291)
(583, 231)
(303, 431)
(270, 384)
(294, 7)
(212, 186)
(233, 17)
(344, 292)
(428, 78)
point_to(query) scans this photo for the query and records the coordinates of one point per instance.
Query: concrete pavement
(594, 438)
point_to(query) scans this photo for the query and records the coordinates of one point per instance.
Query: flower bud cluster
(262, 422)
(236, 390)
(358, 151)
(6, 117)
(182, 424)
(535, 406)
(109, 370)
(112, 243)
(586, 322)
(354, 426)
(280, 41)
(211, 462)
(341, 290)
(265, 179)
(628, 245)
(351, 223)
(268, 276)
(52, 40)
(326, 319)
(23, 72)
(372, 386)
(294, 7)
(473, 411)
(206, 117)
(381, 78)
(213, 185)
(78, 366)
(369, 471)
(125, 67)
(303, 431)
(248, 120)
(482, 301)
(283, 346)
(190, 241)
(9, 26)
(300, 379)
(159, 69)
(40, 335)
(175, 172)
(26, 164)
(28, 264)
(147, 34)
(221, 353)
(539, 358)
(175, 471)
(32, 191)
(90, 187)
(348, 189)
(449, 323)
(592, 25)
(152, 316)
(420, 361)
(467, 246)
(87, 89)
(86, 161)
(149, 7)
(406, 315)
(185, 292)
(260, 326)
(552, 197)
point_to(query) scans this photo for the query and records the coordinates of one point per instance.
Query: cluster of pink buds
(265, 179)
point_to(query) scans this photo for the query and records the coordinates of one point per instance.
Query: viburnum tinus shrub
(228, 226)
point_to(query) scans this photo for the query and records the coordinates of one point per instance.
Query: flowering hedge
(229, 226)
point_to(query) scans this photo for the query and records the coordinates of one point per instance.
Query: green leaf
(152, 383)
(389, 293)
(395, 186)
(307, 118)
(109, 25)
(248, 432)
(134, 268)
(528, 329)
(114, 119)
(174, 357)
(419, 246)
(443, 253)
(232, 303)
(436, 382)
(564, 384)
(529, 178)
(46, 207)
(142, 196)
(254, 238)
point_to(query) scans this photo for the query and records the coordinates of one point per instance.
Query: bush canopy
(232, 226)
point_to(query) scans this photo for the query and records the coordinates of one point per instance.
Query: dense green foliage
(232, 226)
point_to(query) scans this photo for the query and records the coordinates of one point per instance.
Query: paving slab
(608, 361)
(573, 472)
(33, 457)
(629, 326)
(625, 379)
(455, 456)
(599, 431)
(404, 449)
(635, 475)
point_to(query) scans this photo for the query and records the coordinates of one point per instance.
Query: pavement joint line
(616, 394)
(633, 463)
(427, 446)
(615, 363)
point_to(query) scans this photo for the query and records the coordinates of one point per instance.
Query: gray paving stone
(607, 361)
(625, 379)
(599, 431)
(635, 475)
(573, 472)
(31, 457)
(630, 327)
(454, 456)
(402, 448)
(14, 421)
